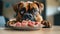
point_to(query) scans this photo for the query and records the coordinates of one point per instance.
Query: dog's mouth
(28, 16)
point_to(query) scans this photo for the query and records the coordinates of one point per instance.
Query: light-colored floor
(53, 30)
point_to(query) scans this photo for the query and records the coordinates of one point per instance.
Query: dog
(29, 11)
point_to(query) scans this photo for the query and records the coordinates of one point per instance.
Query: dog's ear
(15, 7)
(40, 6)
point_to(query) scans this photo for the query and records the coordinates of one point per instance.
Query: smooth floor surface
(53, 30)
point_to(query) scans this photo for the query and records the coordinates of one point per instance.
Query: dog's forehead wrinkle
(29, 2)
(24, 4)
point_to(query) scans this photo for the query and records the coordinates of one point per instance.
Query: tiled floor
(53, 30)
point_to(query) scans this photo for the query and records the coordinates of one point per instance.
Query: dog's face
(28, 10)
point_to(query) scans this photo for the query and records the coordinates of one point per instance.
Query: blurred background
(51, 10)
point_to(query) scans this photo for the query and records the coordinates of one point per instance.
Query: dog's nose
(28, 16)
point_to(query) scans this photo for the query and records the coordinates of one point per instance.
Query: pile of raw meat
(24, 23)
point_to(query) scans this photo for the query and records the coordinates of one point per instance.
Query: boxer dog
(30, 11)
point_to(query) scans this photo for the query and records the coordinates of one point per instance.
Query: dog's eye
(35, 11)
(22, 12)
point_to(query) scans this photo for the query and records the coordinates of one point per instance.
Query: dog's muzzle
(28, 16)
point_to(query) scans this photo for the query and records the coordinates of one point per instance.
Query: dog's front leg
(38, 18)
(18, 17)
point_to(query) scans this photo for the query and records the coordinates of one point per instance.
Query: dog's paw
(46, 24)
